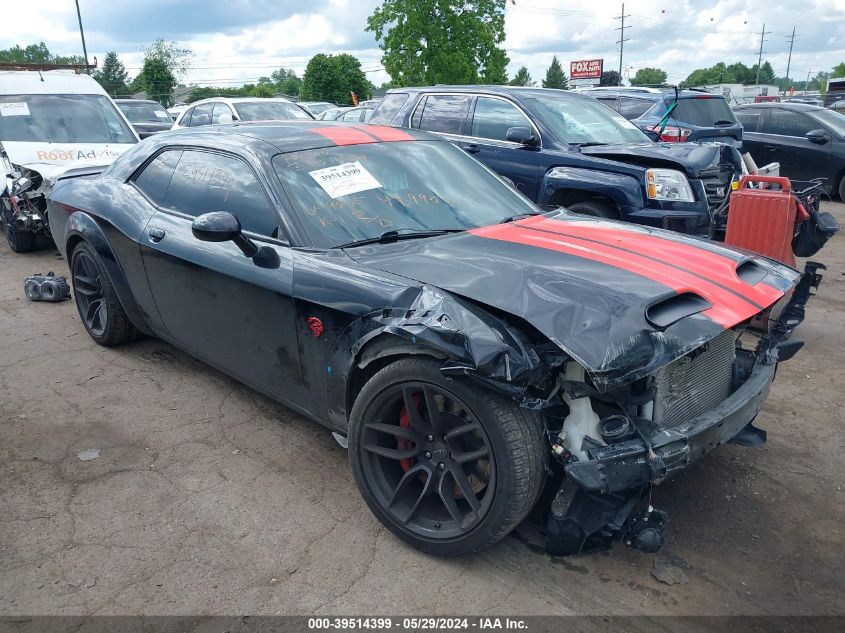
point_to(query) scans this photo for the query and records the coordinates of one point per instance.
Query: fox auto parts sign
(586, 69)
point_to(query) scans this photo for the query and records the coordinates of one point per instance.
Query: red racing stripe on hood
(728, 309)
(386, 133)
(344, 135)
(712, 266)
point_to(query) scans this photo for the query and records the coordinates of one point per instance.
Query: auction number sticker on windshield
(14, 109)
(341, 180)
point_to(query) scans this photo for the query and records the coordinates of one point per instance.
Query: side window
(352, 115)
(206, 182)
(155, 177)
(219, 110)
(389, 108)
(749, 118)
(201, 115)
(415, 118)
(786, 123)
(610, 102)
(444, 113)
(493, 118)
(185, 121)
(633, 108)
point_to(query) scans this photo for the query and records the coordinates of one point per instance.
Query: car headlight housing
(668, 184)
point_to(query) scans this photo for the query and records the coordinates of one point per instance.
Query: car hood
(151, 127)
(694, 159)
(621, 300)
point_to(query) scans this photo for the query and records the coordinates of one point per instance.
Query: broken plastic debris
(668, 572)
(89, 454)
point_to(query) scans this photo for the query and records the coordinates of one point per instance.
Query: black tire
(19, 242)
(842, 189)
(421, 497)
(100, 310)
(596, 209)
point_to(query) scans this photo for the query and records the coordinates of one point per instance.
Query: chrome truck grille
(694, 383)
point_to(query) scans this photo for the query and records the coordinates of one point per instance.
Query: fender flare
(437, 324)
(83, 227)
(623, 189)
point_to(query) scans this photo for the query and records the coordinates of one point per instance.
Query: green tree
(649, 77)
(610, 78)
(767, 73)
(426, 42)
(333, 78)
(286, 81)
(112, 76)
(838, 70)
(555, 77)
(263, 90)
(522, 78)
(178, 60)
(157, 80)
(36, 54)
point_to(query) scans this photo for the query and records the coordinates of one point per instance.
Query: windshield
(835, 121)
(702, 111)
(145, 112)
(62, 119)
(351, 193)
(582, 120)
(270, 111)
(318, 108)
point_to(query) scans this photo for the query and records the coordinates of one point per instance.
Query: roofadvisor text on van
(51, 122)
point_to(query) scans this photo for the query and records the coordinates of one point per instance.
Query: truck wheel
(596, 209)
(444, 465)
(99, 308)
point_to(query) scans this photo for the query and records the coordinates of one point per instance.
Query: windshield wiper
(519, 216)
(587, 144)
(395, 236)
(723, 122)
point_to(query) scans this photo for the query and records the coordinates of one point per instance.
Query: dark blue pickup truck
(564, 149)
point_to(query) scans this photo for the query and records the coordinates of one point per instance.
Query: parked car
(176, 110)
(369, 103)
(807, 140)
(388, 286)
(146, 116)
(838, 106)
(566, 149)
(228, 109)
(51, 121)
(316, 107)
(361, 114)
(695, 115)
(331, 114)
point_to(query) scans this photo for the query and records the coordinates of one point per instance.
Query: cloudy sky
(236, 41)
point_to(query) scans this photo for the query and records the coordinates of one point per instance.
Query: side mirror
(20, 185)
(222, 226)
(523, 136)
(818, 137)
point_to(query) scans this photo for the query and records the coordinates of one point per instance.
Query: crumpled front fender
(469, 340)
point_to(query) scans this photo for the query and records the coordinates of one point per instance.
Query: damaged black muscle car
(467, 344)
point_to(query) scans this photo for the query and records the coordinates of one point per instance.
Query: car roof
(523, 91)
(784, 105)
(136, 101)
(237, 100)
(48, 82)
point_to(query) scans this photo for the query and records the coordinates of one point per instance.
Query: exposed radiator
(695, 383)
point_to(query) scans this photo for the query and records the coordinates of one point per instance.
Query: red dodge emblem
(315, 325)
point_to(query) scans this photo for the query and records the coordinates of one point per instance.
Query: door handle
(472, 149)
(156, 234)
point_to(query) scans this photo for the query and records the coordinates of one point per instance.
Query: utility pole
(763, 35)
(82, 34)
(807, 83)
(622, 39)
(789, 60)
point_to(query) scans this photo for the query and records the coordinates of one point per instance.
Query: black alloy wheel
(88, 291)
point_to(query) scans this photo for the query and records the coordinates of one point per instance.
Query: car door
(442, 114)
(212, 300)
(486, 139)
(752, 139)
(784, 141)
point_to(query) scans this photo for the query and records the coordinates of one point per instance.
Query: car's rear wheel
(99, 308)
(595, 208)
(842, 189)
(446, 466)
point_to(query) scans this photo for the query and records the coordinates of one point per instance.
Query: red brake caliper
(401, 443)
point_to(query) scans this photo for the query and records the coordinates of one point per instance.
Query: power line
(622, 38)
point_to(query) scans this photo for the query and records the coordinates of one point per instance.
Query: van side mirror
(222, 226)
(523, 136)
(819, 137)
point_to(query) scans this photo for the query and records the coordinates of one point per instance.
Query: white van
(51, 121)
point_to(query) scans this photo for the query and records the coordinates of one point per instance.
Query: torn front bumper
(627, 465)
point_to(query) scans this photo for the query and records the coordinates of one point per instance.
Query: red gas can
(763, 220)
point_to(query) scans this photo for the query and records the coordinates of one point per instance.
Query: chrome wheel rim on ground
(427, 461)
